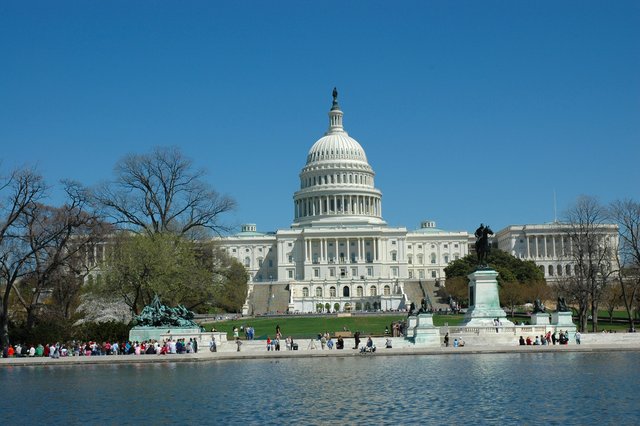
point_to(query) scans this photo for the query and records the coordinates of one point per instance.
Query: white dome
(337, 183)
(336, 146)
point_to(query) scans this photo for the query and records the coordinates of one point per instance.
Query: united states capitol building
(339, 255)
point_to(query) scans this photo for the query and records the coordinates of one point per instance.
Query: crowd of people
(92, 348)
(554, 338)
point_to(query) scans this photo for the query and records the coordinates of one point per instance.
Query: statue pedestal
(140, 334)
(540, 318)
(425, 333)
(562, 319)
(412, 322)
(484, 302)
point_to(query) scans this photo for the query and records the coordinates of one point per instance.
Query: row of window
(361, 179)
(373, 291)
(557, 270)
(421, 274)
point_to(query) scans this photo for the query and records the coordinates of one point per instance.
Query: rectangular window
(410, 274)
(260, 262)
(270, 263)
(433, 274)
(316, 272)
(370, 271)
(394, 271)
(421, 273)
(332, 272)
(354, 272)
(290, 273)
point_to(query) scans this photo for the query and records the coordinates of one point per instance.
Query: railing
(515, 330)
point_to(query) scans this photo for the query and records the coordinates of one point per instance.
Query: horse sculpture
(482, 243)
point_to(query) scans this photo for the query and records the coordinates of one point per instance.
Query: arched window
(559, 270)
(359, 291)
(373, 291)
(332, 291)
(318, 291)
(305, 291)
(433, 258)
(419, 259)
(387, 290)
(568, 269)
(345, 291)
(541, 268)
(410, 259)
(247, 261)
(550, 269)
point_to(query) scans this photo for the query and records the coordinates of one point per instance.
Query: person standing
(578, 337)
(238, 343)
(357, 340)
(446, 340)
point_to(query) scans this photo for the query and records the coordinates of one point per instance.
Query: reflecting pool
(545, 388)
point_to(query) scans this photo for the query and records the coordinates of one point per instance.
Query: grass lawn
(308, 327)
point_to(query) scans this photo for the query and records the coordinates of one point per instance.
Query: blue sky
(468, 111)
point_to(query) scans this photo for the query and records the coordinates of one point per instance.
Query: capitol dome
(337, 182)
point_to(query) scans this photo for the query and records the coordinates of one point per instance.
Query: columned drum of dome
(337, 182)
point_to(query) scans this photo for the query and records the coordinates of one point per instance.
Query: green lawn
(308, 327)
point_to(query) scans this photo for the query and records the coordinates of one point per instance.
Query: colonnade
(338, 204)
(317, 250)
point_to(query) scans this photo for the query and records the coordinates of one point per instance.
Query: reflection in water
(488, 389)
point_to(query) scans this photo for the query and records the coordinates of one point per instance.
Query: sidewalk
(206, 356)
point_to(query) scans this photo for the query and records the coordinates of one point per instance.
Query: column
(528, 247)
(348, 257)
(553, 246)
(546, 253)
(375, 249)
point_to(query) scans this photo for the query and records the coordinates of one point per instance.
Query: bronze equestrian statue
(482, 243)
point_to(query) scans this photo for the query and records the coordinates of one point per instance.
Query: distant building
(549, 246)
(339, 254)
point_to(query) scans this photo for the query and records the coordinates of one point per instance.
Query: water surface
(548, 388)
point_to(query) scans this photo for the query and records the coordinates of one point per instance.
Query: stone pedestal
(425, 333)
(140, 334)
(562, 319)
(540, 318)
(484, 302)
(412, 322)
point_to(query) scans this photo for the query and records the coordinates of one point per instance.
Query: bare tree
(20, 190)
(626, 213)
(57, 237)
(593, 256)
(161, 192)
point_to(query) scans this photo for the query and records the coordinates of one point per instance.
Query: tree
(458, 289)
(178, 270)
(593, 256)
(512, 294)
(509, 268)
(56, 237)
(231, 292)
(515, 277)
(161, 192)
(626, 213)
(18, 191)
